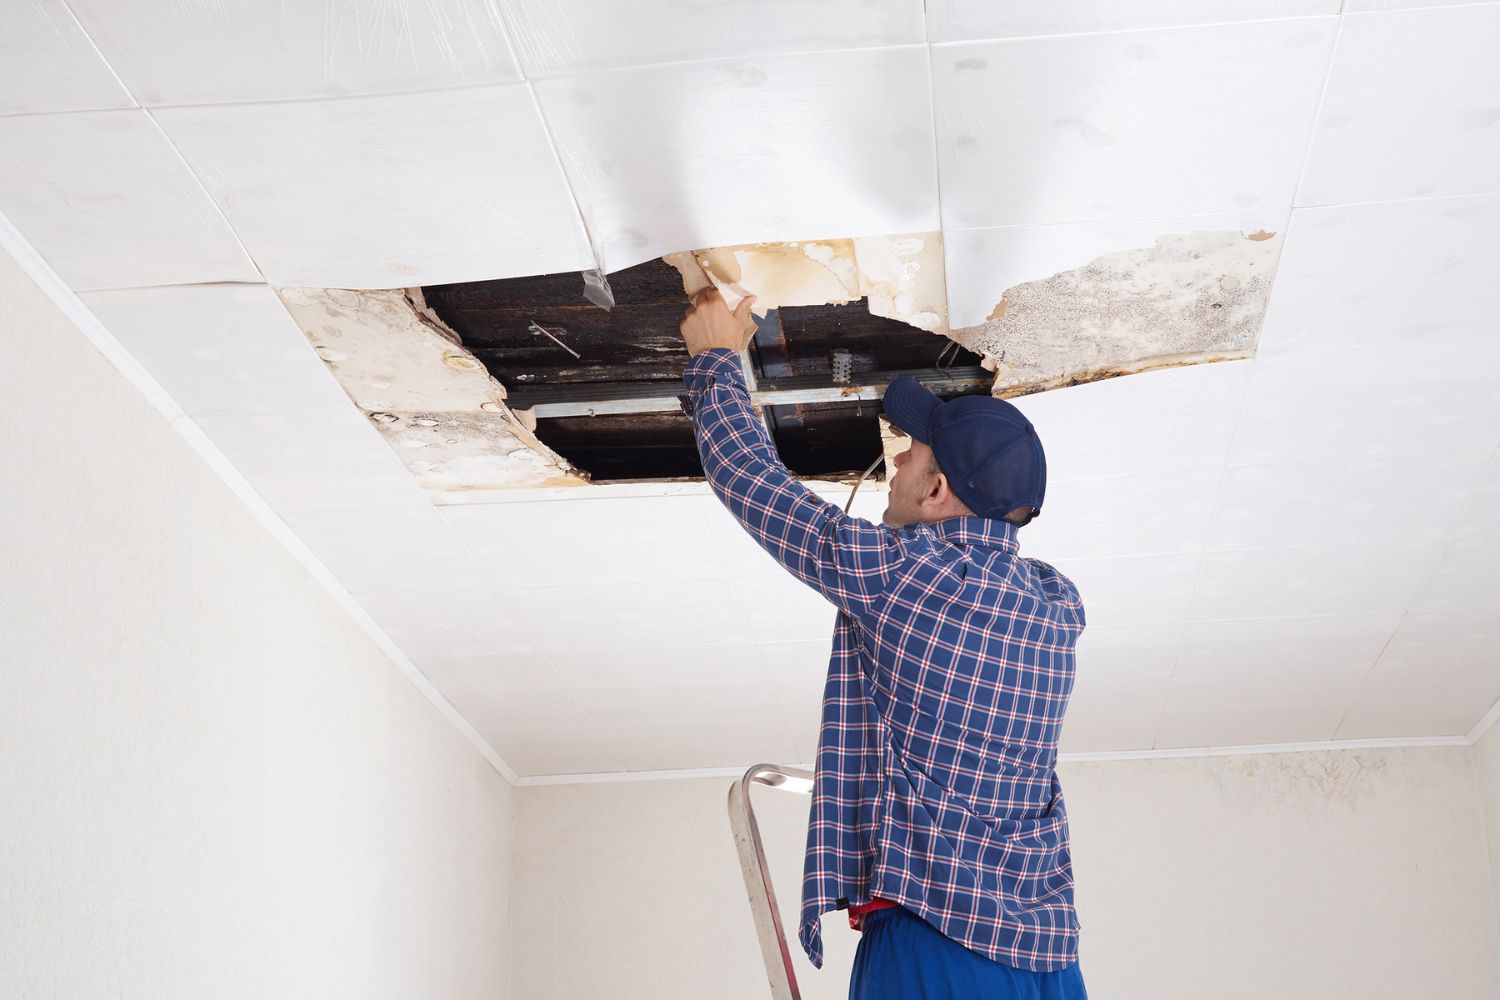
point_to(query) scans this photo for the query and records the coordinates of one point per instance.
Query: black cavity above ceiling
(577, 366)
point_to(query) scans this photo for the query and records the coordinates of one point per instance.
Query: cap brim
(909, 405)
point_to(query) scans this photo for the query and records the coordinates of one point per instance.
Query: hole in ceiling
(602, 386)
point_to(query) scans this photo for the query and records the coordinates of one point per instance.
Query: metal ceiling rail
(588, 399)
(767, 917)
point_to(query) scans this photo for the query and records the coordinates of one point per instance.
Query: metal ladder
(757, 874)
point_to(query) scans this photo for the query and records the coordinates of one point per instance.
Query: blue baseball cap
(985, 446)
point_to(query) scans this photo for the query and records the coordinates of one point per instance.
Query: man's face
(916, 468)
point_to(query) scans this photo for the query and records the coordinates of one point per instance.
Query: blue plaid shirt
(953, 659)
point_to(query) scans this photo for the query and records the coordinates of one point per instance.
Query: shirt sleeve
(848, 560)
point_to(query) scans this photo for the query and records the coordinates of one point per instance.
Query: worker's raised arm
(848, 560)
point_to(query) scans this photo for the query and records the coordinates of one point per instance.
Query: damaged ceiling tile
(1187, 299)
(902, 275)
(432, 400)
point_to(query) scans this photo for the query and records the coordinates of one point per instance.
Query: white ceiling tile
(637, 538)
(664, 666)
(47, 63)
(536, 729)
(608, 616)
(107, 201)
(1467, 576)
(1437, 677)
(1244, 711)
(668, 158)
(1131, 590)
(1122, 654)
(1149, 124)
(209, 53)
(1178, 418)
(387, 192)
(782, 608)
(735, 549)
(1313, 580)
(1344, 500)
(1402, 276)
(458, 625)
(1412, 108)
(221, 349)
(1120, 686)
(1482, 518)
(702, 725)
(1364, 6)
(1129, 515)
(1275, 650)
(314, 461)
(1107, 714)
(983, 264)
(1269, 681)
(516, 672)
(956, 20)
(1342, 404)
(388, 550)
(560, 36)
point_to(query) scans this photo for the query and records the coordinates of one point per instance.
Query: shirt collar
(991, 531)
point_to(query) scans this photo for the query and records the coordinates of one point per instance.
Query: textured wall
(212, 783)
(1348, 874)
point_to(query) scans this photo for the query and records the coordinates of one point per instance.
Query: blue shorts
(902, 957)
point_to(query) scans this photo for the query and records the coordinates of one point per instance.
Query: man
(937, 818)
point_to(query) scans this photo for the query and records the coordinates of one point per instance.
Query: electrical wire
(860, 481)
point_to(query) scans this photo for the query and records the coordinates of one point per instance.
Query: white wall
(1487, 759)
(212, 783)
(1343, 874)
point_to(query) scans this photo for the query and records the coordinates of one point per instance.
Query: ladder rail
(757, 873)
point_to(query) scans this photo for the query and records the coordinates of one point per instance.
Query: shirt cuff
(708, 368)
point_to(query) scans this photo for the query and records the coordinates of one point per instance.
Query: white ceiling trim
(12, 242)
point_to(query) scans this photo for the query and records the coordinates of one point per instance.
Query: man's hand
(709, 323)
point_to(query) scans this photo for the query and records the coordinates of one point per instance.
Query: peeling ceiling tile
(1368, 578)
(958, 20)
(1398, 277)
(435, 404)
(1047, 306)
(1429, 77)
(1147, 124)
(384, 192)
(173, 52)
(221, 349)
(107, 201)
(1436, 678)
(711, 154)
(569, 36)
(47, 63)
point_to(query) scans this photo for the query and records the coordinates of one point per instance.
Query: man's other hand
(709, 323)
